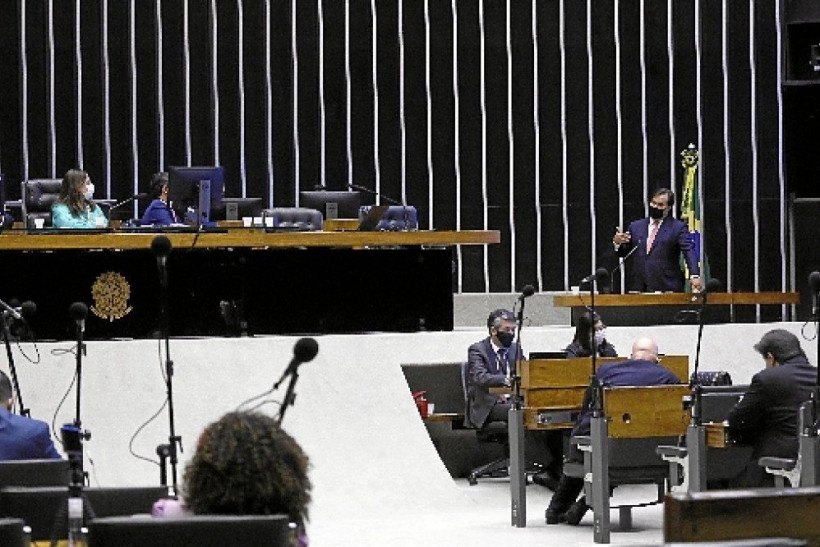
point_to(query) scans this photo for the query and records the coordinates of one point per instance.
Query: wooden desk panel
(647, 411)
(675, 299)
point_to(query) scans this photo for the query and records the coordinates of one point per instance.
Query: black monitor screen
(184, 189)
(332, 204)
(237, 208)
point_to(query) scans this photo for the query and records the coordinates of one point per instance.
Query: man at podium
(657, 243)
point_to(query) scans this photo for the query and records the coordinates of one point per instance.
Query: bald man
(642, 369)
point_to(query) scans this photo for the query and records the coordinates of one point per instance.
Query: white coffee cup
(575, 289)
(39, 223)
(247, 222)
(257, 221)
(431, 408)
(269, 222)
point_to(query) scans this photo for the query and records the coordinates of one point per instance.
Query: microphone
(126, 201)
(388, 199)
(21, 312)
(600, 275)
(304, 350)
(624, 259)
(526, 292)
(161, 247)
(78, 311)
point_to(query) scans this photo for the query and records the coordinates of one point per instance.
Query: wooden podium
(554, 389)
(669, 308)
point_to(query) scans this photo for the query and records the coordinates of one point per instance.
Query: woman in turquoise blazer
(74, 208)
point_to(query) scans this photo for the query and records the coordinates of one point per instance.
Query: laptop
(372, 218)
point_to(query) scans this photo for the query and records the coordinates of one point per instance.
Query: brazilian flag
(690, 211)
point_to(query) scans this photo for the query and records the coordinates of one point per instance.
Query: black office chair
(396, 218)
(37, 197)
(492, 432)
(295, 218)
(199, 531)
(11, 533)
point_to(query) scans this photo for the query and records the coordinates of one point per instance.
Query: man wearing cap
(766, 416)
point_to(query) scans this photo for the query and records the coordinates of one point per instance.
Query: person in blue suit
(641, 370)
(158, 212)
(21, 438)
(660, 240)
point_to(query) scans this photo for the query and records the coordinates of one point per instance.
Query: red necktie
(653, 231)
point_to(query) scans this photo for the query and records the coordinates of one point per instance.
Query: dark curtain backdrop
(601, 104)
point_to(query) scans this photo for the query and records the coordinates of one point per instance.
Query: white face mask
(89, 191)
(600, 336)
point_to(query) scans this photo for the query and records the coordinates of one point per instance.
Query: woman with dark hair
(245, 464)
(581, 345)
(75, 208)
(158, 212)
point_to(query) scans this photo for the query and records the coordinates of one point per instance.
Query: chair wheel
(472, 480)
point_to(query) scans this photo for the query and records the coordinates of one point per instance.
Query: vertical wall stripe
(727, 163)
(374, 52)
(78, 61)
(132, 66)
(537, 131)
(755, 188)
(511, 147)
(402, 121)
(24, 89)
(591, 138)
(457, 139)
(295, 78)
(429, 97)
(781, 160)
(322, 112)
(240, 38)
(703, 173)
(186, 69)
(268, 107)
(483, 100)
(644, 136)
(106, 73)
(215, 77)
(564, 182)
(349, 99)
(52, 124)
(620, 128)
(160, 94)
(670, 54)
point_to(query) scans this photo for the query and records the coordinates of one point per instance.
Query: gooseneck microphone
(161, 247)
(10, 314)
(19, 313)
(601, 274)
(388, 199)
(304, 351)
(526, 292)
(78, 312)
(623, 260)
(126, 201)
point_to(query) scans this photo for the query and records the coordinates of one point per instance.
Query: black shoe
(576, 512)
(554, 517)
(546, 480)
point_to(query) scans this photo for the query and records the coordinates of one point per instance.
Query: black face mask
(505, 338)
(655, 213)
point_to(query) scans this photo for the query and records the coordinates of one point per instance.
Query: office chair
(492, 432)
(396, 218)
(295, 218)
(37, 197)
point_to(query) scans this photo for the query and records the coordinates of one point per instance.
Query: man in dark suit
(766, 416)
(21, 438)
(660, 240)
(641, 370)
(488, 365)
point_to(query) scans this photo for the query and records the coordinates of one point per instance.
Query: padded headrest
(42, 193)
(298, 218)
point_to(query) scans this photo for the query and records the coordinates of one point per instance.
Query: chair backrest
(38, 195)
(11, 533)
(646, 411)
(441, 381)
(395, 219)
(200, 531)
(295, 218)
(34, 473)
(38, 506)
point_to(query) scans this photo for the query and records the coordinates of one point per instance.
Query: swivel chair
(396, 218)
(295, 218)
(37, 197)
(491, 432)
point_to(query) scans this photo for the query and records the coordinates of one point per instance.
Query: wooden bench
(743, 514)
(621, 446)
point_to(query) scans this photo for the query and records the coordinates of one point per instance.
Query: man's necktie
(653, 231)
(502, 360)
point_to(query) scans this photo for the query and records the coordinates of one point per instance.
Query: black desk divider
(34, 473)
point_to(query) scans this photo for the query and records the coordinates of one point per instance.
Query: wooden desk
(243, 280)
(675, 299)
(554, 389)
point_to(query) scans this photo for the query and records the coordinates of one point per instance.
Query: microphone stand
(621, 263)
(696, 446)
(290, 396)
(515, 425)
(12, 369)
(174, 440)
(388, 199)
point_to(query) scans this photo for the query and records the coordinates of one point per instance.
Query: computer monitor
(237, 208)
(331, 203)
(196, 188)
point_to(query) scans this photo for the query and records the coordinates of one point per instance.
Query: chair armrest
(583, 442)
(668, 451)
(786, 464)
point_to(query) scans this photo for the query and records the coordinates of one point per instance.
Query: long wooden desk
(669, 308)
(236, 282)
(554, 388)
